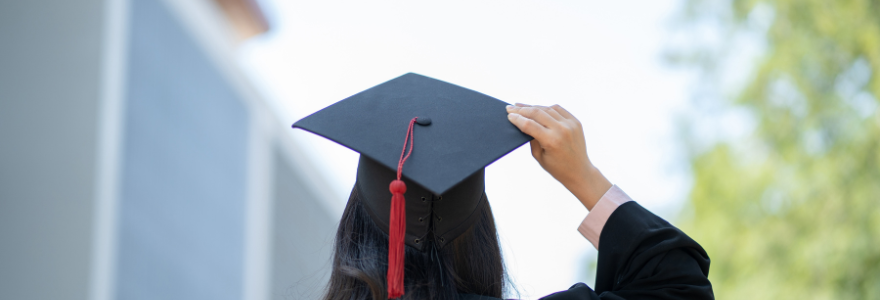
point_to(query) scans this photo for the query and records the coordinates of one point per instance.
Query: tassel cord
(397, 222)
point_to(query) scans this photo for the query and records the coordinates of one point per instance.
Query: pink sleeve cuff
(592, 225)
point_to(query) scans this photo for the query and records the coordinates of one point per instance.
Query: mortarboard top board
(441, 184)
(468, 130)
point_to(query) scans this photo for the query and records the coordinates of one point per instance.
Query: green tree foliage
(791, 210)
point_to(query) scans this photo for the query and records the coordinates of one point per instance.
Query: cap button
(424, 121)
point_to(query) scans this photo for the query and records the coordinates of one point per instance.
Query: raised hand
(560, 148)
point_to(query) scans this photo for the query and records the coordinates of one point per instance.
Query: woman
(430, 234)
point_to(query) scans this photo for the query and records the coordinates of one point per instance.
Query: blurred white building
(137, 162)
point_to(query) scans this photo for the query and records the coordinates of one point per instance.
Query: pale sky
(601, 60)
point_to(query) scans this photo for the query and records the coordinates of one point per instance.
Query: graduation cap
(424, 144)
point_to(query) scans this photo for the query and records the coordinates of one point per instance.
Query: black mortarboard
(457, 133)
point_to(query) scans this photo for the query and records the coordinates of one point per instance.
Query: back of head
(469, 264)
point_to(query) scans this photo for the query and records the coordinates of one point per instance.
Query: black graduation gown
(641, 256)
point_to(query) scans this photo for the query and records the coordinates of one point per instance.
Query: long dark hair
(471, 264)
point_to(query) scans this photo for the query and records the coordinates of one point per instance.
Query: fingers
(535, 113)
(549, 119)
(555, 107)
(561, 111)
(553, 113)
(527, 125)
(549, 111)
(564, 118)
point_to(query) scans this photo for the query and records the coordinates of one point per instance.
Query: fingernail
(510, 116)
(509, 107)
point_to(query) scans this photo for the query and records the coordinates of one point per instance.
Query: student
(418, 224)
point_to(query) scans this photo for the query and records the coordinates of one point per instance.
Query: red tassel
(396, 234)
(397, 222)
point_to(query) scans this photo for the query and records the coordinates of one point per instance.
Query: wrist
(590, 187)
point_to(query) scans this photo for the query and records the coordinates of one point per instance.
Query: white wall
(50, 60)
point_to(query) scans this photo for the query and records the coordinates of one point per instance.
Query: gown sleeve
(642, 256)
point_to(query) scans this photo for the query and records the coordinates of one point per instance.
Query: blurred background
(146, 149)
